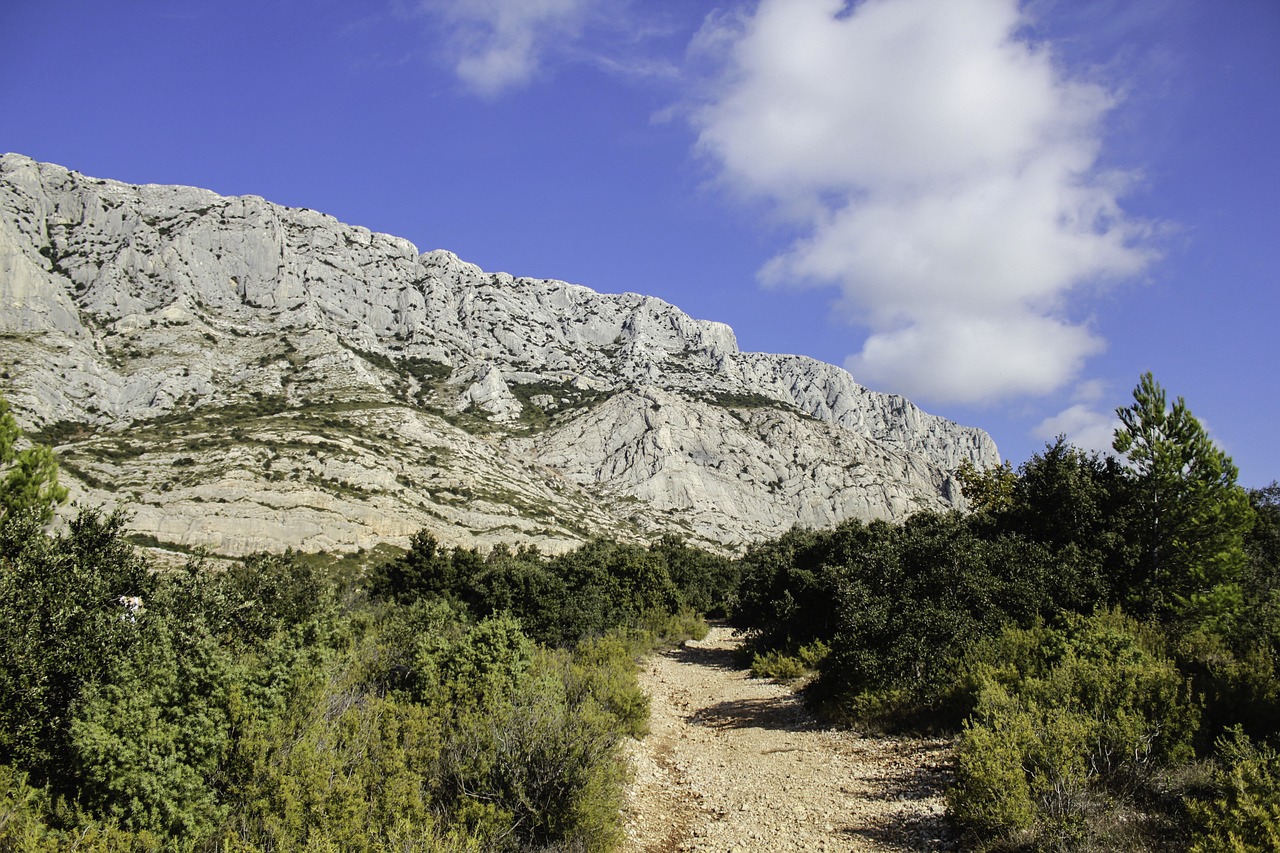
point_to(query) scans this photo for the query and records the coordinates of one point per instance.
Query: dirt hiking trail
(733, 763)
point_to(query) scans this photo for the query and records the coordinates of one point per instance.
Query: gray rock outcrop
(248, 376)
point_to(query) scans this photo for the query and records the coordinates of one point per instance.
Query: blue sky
(1005, 211)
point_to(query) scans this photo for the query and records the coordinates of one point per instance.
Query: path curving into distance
(733, 763)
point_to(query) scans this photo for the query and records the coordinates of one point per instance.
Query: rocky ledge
(246, 376)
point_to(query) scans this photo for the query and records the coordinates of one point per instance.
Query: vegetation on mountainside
(274, 705)
(1102, 635)
(30, 483)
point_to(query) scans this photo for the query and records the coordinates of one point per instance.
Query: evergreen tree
(31, 485)
(1191, 516)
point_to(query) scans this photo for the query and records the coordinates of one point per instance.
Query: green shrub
(1069, 723)
(707, 583)
(673, 628)
(992, 794)
(813, 654)
(336, 768)
(777, 666)
(1239, 680)
(909, 601)
(146, 740)
(1245, 816)
(883, 710)
(266, 593)
(64, 628)
(602, 671)
(30, 485)
(30, 822)
(257, 709)
(783, 667)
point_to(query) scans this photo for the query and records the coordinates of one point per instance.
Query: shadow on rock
(925, 772)
(698, 656)
(767, 713)
(916, 832)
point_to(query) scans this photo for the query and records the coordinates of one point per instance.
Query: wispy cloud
(944, 174)
(1086, 422)
(497, 45)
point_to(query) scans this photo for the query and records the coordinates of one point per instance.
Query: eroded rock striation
(246, 376)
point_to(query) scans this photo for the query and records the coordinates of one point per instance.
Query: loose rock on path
(733, 763)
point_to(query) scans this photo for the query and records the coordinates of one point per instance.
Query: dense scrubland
(1100, 636)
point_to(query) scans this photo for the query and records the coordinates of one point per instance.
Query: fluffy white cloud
(1083, 425)
(497, 45)
(943, 171)
(966, 357)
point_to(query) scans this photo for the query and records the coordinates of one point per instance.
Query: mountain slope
(248, 376)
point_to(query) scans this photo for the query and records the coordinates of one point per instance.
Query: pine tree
(31, 485)
(1191, 515)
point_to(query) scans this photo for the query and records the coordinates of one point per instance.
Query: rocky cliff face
(247, 376)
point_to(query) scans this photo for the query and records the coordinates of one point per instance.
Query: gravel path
(737, 764)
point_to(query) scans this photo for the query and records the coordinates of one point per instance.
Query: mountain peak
(333, 387)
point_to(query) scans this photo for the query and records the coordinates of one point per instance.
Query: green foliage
(788, 591)
(989, 491)
(250, 710)
(268, 593)
(1064, 496)
(992, 797)
(1191, 517)
(1077, 506)
(545, 761)
(782, 667)
(64, 626)
(476, 670)
(675, 628)
(1261, 579)
(1238, 680)
(708, 583)
(1068, 723)
(776, 665)
(896, 604)
(1244, 816)
(750, 400)
(148, 737)
(10, 433)
(27, 824)
(610, 584)
(568, 397)
(31, 484)
(564, 599)
(336, 766)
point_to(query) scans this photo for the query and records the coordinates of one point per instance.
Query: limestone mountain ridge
(245, 376)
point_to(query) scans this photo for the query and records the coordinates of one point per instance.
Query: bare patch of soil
(738, 764)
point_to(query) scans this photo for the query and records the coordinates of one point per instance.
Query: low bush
(783, 667)
(1243, 816)
(1070, 723)
(270, 707)
(777, 666)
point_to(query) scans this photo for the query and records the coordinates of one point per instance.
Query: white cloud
(970, 357)
(496, 45)
(1090, 391)
(944, 174)
(1084, 426)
